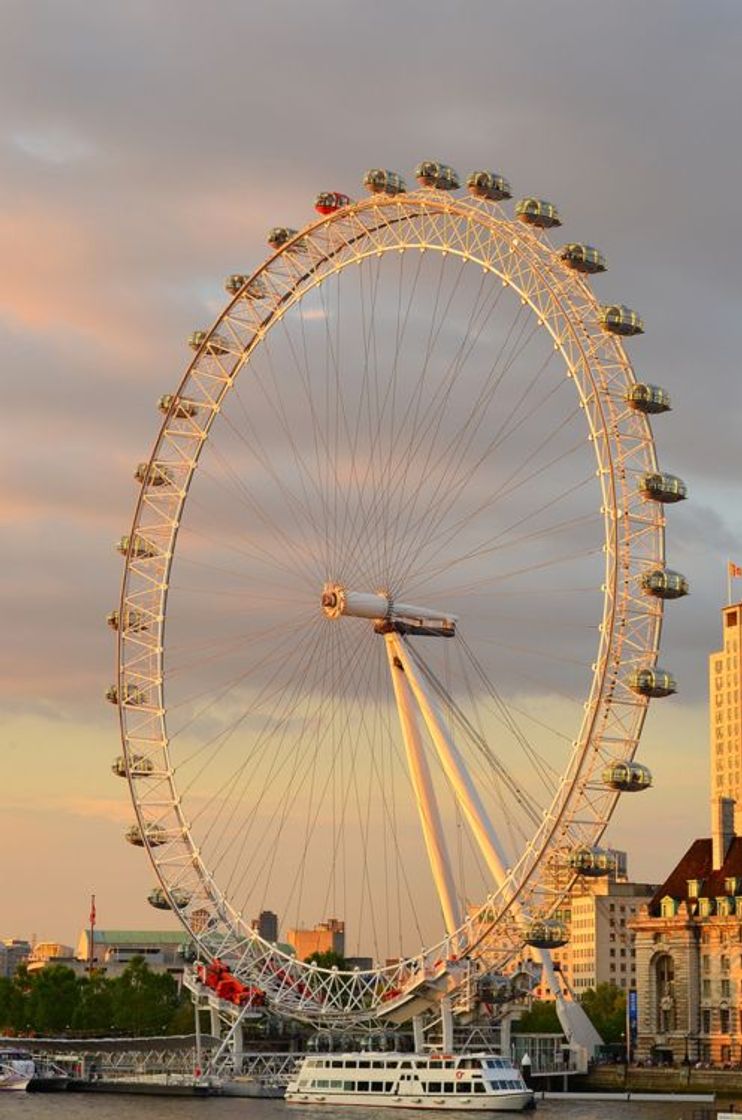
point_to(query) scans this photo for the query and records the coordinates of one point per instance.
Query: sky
(144, 150)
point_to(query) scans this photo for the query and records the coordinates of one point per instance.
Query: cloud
(145, 150)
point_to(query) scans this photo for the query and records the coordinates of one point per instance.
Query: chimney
(722, 828)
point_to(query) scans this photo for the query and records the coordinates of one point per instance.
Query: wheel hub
(385, 612)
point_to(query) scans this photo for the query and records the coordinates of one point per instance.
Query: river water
(80, 1106)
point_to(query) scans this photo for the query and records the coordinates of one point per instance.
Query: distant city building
(600, 949)
(13, 952)
(327, 936)
(725, 720)
(601, 946)
(266, 926)
(163, 950)
(49, 952)
(363, 964)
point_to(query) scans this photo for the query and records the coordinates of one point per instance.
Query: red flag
(735, 571)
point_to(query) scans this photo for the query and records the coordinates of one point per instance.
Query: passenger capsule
(582, 258)
(662, 583)
(155, 834)
(547, 933)
(379, 181)
(141, 549)
(619, 319)
(279, 235)
(488, 184)
(133, 696)
(537, 212)
(654, 683)
(327, 202)
(160, 900)
(139, 766)
(212, 344)
(648, 398)
(181, 407)
(253, 289)
(153, 475)
(627, 777)
(591, 862)
(234, 283)
(437, 175)
(134, 620)
(662, 487)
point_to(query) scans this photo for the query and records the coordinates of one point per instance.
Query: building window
(706, 989)
(726, 989)
(706, 963)
(664, 978)
(724, 1020)
(706, 1022)
(725, 963)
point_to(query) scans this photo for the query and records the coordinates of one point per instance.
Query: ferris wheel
(392, 600)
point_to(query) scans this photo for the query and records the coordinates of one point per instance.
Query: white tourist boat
(463, 1082)
(16, 1069)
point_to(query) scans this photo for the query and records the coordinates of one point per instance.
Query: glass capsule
(489, 185)
(537, 212)
(619, 319)
(437, 175)
(654, 683)
(380, 181)
(582, 258)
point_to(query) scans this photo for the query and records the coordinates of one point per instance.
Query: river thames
(75, 1106)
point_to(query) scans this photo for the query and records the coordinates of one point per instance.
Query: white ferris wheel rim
(478, 233)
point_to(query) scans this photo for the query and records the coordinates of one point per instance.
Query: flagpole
(729, 582)
(92, 936)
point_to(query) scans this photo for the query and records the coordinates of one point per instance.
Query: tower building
(725, 680)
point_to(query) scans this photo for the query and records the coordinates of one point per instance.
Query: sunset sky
(145, 149)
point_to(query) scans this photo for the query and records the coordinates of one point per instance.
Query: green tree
(606, 1008)
(94, 1013)
(53, 998)
(143, 1001)
(541, 1018)
(182, 1020)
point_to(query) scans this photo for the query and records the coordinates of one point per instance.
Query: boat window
(337, 1065)
(405, 1065)
(377, 1086)
(349, 1086)
(478, 1087)
(447, 1087)
(434, 1086)
(364, 1065)
(363, 1086)
(463, 1087)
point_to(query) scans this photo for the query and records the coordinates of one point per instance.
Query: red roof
(697, 863)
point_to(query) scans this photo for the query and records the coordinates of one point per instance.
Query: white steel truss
(524, 260)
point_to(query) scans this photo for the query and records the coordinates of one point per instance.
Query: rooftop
(139, 937)
(697, 864)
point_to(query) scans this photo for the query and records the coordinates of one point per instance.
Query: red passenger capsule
(330, 201)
